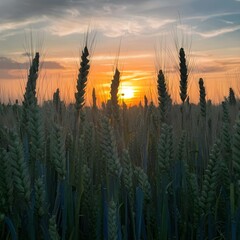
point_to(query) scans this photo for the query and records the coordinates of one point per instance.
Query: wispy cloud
(218, 32)
(121, 25)
(210, 64)
(16, 25)
(205, 16)
(12, 28)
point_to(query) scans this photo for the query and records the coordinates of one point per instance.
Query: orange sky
(138, 76)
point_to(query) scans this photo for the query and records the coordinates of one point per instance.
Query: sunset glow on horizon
(139, 40)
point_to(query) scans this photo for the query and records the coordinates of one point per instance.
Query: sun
(126, 92)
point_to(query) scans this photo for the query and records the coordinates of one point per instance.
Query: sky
(140, 37)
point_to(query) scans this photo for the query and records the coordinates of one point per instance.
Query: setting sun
(127, 92)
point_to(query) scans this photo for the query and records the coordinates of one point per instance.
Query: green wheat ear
(87, 187)
(143, 182)
(202, 94)
(165, 150)
(182, 152)
(189, 178)
(183, 75)
(236, 150)
(194, 193)
(113, 104)
(20, 169)
(40, 197)
(6, 181)
(226, 137)
(57, 103)
(231, 97)
(30, 93)
(82, 80)
(36, 135)
(58, 151)
(30, 99)
(94, 99)
(114, 91)
(127, 174)
(109, 149)
(89, 143)
(210, 180)
(112, 221)
(53, 228)
(163, 96)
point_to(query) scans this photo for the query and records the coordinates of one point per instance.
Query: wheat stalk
(202, 100)
(163, 96)
(231, 97)
(183, 75)
(82, 80)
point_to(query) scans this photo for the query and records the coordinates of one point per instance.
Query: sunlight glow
(127, 92)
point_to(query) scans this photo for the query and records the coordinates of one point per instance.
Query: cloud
(204, 17)
(216, 65)
(52, 65)
(229, 62)
(120, 23)
(210, 69)
(15, 25)
(9, 64)
(218, 32)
